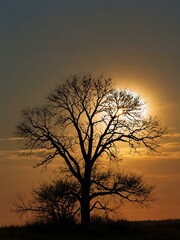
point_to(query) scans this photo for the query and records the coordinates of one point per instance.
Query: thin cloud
(11, 139)
(172, 135)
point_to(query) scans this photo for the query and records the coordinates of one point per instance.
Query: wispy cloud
(173, 135)
(11, 155)
(11, 139)
(15, 155)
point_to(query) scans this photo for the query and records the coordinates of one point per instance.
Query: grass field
(123, 230)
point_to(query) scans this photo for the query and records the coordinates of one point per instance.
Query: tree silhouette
(53, 202)
(84, 122)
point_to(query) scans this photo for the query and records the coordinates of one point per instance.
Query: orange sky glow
(135, 44)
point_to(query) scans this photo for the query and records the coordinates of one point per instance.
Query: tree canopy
(84, 122)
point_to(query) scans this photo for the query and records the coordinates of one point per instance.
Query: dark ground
(122, 230)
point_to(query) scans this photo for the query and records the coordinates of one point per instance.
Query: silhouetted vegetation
(51, 203)
(146, 230)
(83, 122)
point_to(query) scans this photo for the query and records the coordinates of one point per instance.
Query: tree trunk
(85, 212)
(85, 204)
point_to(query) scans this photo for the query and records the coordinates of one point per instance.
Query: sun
(144, 111)
(120, 112)
(127, 104)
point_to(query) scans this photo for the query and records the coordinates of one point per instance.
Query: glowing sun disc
(143, 108)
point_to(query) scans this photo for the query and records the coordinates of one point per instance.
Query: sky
(135, 42)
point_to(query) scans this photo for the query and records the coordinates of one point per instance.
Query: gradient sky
(136, 42)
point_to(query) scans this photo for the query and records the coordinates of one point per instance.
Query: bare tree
(54, 202)
(84, 122)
